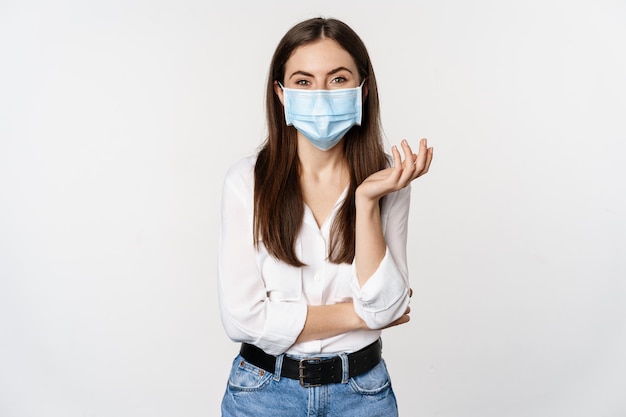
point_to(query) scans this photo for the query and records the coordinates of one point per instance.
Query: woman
(312, 260)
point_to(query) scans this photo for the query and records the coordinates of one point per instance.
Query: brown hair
(278, 204)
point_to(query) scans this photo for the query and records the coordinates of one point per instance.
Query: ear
(279, 92)
(365, 90)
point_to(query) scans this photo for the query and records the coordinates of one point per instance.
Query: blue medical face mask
(323, 116)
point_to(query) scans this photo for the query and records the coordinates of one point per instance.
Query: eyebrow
(331, 72)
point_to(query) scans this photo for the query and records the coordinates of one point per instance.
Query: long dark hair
(278, 202)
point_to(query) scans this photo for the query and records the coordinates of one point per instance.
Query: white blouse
(264, 301)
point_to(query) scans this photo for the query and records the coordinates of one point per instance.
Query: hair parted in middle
(278, 202)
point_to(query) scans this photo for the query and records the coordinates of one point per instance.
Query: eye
(303, 83)
(338, 80)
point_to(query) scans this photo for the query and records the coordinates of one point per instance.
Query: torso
(321, 195)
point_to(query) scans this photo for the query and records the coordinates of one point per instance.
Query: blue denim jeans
(253, 392)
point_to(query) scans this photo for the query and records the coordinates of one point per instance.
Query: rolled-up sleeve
(385, 296)
(248, 315)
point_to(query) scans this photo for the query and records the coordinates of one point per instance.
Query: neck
(315, 161)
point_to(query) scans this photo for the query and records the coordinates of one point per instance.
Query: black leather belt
(313, 371)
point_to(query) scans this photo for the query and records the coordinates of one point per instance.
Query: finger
(422, 157)
(409, 156)
(408, 152)
(409, 168)
(428, 160)
(397, 165)
(410, 292)
(401, 320)
(397, 159)
(419, 160)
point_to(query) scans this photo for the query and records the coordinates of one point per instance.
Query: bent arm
(330, 320)
(248, 314)
(384, 297)
(370, 245)
(381, 284)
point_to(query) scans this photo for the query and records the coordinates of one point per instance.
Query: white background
(118, 120)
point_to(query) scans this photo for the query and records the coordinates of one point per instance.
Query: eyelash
(336, 80)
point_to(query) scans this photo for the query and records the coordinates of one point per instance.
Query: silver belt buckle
(302, 366)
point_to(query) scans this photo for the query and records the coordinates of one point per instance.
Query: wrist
(365, 203)
(356, 322)
(359, 323)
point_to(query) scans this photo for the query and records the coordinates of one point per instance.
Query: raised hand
(400, 175)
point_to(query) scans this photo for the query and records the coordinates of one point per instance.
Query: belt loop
(345, 368)
(279, 367)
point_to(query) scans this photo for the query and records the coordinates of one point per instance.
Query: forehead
(320, 57)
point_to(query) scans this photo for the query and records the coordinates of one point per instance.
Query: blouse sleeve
(248, 315)
(385, 296)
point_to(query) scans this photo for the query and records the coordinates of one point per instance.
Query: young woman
(312, 262)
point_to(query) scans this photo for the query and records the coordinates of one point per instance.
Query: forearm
(328, 321)
(370, 246)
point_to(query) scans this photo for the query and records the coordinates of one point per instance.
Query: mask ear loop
(365, 93)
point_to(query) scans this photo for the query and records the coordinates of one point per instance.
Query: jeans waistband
(315, 371)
